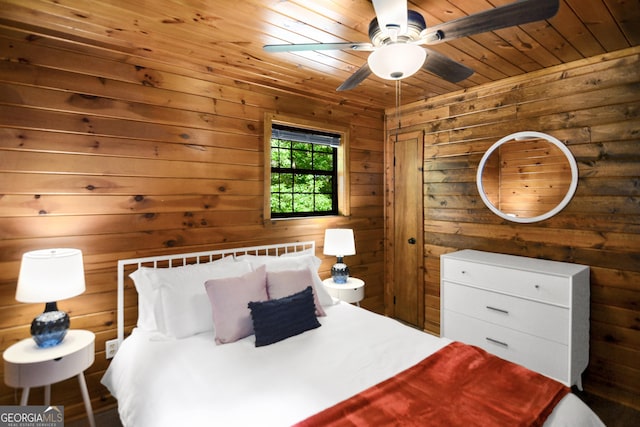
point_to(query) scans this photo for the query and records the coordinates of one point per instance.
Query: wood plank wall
(591, 105)
(122, 157)
(526, 178)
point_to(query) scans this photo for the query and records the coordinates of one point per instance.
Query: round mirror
(527, 177)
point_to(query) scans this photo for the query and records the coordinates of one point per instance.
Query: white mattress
(193, 381)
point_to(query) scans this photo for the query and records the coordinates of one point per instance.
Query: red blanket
(459, 385)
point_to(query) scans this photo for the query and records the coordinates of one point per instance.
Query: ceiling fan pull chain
(399, 102)
(398, 93)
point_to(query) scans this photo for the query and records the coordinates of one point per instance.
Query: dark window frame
(297, 141)
(343, 178)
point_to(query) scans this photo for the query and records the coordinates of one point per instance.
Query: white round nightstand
(351, 292)
(26, 365)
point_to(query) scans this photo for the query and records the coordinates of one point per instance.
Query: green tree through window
(303, 174)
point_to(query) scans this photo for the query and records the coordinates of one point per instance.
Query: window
(305, 173)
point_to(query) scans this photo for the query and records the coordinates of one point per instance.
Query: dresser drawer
(539, 286)
(543, 356)
(534, 318)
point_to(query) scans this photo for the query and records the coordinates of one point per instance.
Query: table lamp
(47, 276)
(339, 242)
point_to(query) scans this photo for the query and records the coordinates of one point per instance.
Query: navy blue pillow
(281, 318)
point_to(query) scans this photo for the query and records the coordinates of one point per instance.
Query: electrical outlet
(111, 347)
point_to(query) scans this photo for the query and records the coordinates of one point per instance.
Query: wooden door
(408, 272)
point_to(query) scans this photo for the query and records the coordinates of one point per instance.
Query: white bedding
(192, 381)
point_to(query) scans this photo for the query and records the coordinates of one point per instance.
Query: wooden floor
(103, 419)
(611, 413)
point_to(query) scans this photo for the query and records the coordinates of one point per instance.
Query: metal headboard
(177, 260)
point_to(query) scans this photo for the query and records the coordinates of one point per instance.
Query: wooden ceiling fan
(397, 35)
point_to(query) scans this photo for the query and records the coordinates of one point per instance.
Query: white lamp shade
(50, 275)
(339, 242)
(396, 61)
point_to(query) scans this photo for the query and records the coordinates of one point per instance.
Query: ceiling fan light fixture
(396, 61)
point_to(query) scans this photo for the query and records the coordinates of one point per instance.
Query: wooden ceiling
(224, 38)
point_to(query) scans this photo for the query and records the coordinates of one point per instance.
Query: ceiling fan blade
(356, 78)
(391, 13)
(516, 13)
(317, 46)
(445, 67)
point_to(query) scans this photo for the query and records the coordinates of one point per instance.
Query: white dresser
(529, 311)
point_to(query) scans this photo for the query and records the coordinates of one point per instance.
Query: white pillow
(311, 262)
(147, 300)
(182, 308)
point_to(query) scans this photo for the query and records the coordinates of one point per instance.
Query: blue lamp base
(340, 272)
(50, 327)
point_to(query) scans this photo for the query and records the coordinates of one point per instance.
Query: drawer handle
(499, 310)
(500, 343)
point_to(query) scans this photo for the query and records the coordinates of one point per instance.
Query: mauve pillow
(278, 319)
(287, 282)
(229, 298)
(294, 263)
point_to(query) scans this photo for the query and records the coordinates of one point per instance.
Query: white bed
(166, 381)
